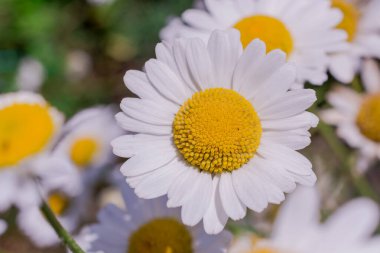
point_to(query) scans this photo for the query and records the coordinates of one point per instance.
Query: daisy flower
(28, 127)
(86, 143)
(361, 21)
(357, 115)
(215, 128)
(60, 197)
(297, 228)
(147, 226)
(277, 23)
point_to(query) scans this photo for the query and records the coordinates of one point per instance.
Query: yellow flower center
(58, 203)
(83, 151)
(268, 29)
(217, 130)
(351, 17)
(368, 118)
(25, 129)
(163, 235)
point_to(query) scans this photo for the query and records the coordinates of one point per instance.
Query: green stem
(60, 230)
(343, 154)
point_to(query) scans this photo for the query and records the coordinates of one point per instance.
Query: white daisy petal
(215, 218)
(225, 50)
(200, 64)
(230, 201)
(164, 80)
(148, 160)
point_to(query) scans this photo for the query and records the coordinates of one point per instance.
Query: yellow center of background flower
(58, 203)
(268, 29)
(368, 118)
(83, 151)
(164, 235)
(25, 129)
(217, 130)
(351, 17)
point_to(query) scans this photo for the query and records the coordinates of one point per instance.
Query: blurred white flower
(215, 128)
(30, 75)
(361, 21)
(28, 128)
(78, 65)
(61, 199)
(147, 226)
(297, 228)
(3, 227)
(305, 30)
(357, 116)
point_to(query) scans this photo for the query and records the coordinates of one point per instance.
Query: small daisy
(86, 143)
(361, 21)
(297, 228)
(357, 116)
(28, 127)
(277, 23)
(61, 199)
(215, 128)
(147, 226)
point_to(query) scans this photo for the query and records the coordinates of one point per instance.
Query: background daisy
(277, 23)
(362, 25)
(28, 127)
(147, 226)
(357, 115)
(214, 129)
(297, 228)
(59, 193)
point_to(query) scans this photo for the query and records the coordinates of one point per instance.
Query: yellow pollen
(217, 130)
(25, 129)
(162, 235)
(268, 29)
(83, 151)
(351, 18)
(368, 118)
(58, 203)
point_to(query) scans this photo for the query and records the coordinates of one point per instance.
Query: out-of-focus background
(75, 53)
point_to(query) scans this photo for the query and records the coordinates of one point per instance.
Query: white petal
(249, 191)
(371, 75)
(153, 158)
(298, 216)
(158, 182)
(200, 64)
(148, 111)
(225, 49)
(290, 159)
(292, 103)
(166, 82)
(196, 206)
(231, 203)
(249, 62)
(133, 125)
(215, 218)
(303, 120)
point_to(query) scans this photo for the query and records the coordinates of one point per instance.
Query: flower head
(147, 226)
(277, 24)
(215, 128)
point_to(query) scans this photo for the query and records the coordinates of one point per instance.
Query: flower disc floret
(217, 130)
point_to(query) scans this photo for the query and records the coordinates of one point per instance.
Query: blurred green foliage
(117, 35)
